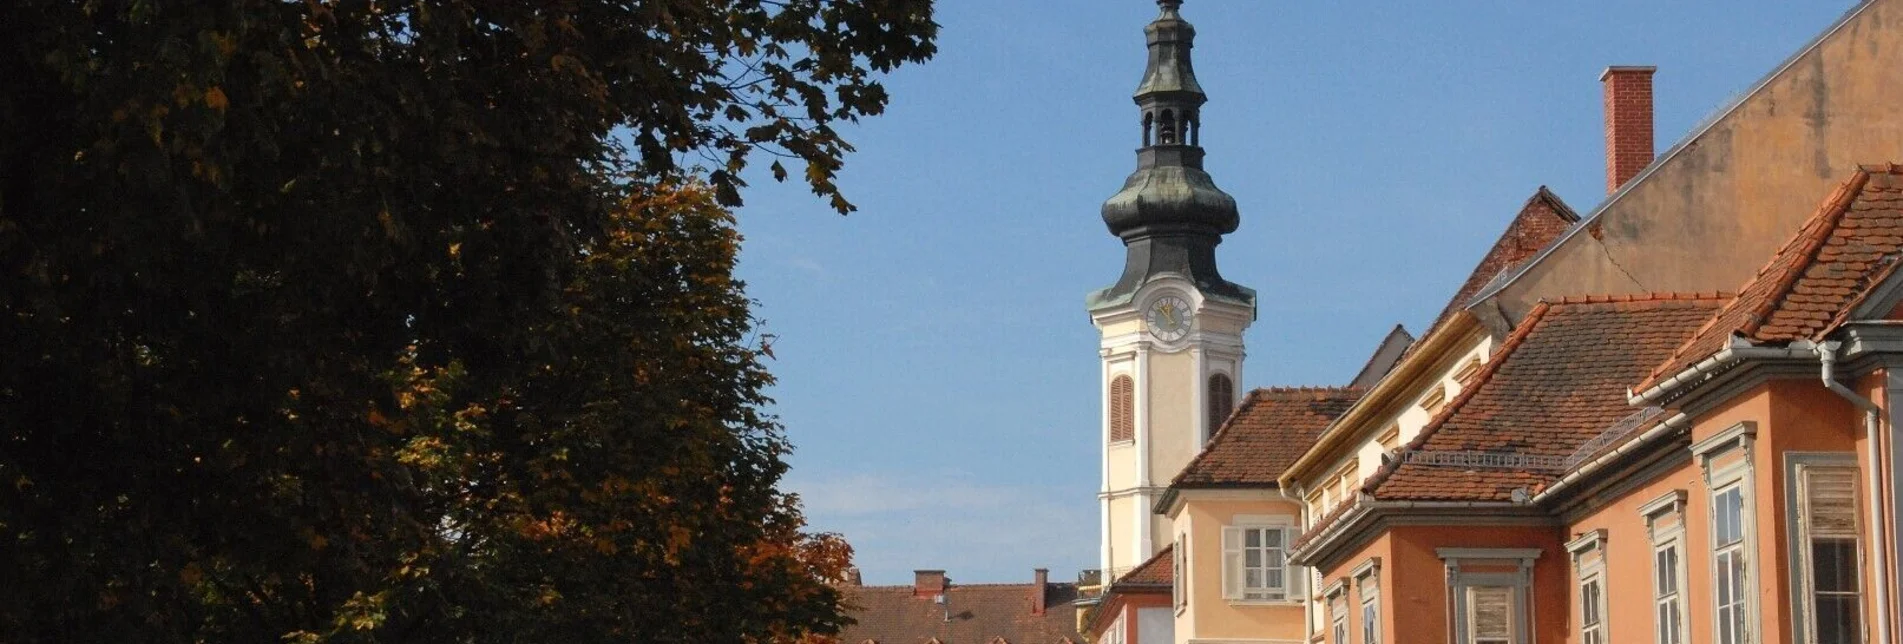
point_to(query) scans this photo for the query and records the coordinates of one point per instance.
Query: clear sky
(937, 371)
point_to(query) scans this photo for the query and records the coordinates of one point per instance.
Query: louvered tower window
(1123, 418)
(1222, 400)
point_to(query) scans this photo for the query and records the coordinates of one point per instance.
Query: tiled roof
(1539, 222)
(1556, 382)
(979, 613)
(1159, 571)
(1849, 245)
(1265, 434)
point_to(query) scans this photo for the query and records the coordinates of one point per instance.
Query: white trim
(1587, 540)
(1742, 435)
(1459, 582)
(1740, 475)
(1799, 467)
(1199, 428)
(1673, 501)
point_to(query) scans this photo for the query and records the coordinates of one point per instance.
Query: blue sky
(937, 371)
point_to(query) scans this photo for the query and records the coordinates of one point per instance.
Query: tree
(407, 320)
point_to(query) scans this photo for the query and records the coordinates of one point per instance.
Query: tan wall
(1172, 380)
(1123, 546)
(1209, 615)
(1709, 217)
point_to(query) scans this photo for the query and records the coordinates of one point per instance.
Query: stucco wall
(1710, 215)
(1209, 615)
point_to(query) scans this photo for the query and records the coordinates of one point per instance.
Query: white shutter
(1231, 562)
(1297, 576)
(1492, 613)
(1833, 502)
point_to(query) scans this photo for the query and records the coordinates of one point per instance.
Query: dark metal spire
(1170, 214)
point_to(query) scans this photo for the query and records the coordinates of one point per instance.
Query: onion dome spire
(1170, 214)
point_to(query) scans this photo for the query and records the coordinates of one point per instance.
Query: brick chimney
(853, 578)
(1628, 123)
(928, 583)
(1039, 587)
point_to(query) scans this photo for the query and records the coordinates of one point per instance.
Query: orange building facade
(1671, 419)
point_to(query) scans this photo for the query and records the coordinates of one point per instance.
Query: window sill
(1263, 602)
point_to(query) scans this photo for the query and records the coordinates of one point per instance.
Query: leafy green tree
(406, 320)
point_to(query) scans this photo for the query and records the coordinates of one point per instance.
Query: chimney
(928, 583)
(1628, 123)
(1038, 588)
(853, 578)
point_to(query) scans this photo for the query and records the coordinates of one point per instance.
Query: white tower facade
(1171, 326)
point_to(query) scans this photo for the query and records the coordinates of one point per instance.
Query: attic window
(1465, 375)
(1435, 400)
(1222, 400)
(1390, 438)
(1122, 409)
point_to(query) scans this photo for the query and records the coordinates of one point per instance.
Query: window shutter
(1492, 612)
(1231, 562)
(1833, 503)
(1297, 576)
(1122, 409)
(1222, 397)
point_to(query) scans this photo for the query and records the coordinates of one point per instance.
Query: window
(1222, 400)
(1467, 371)
(1116, 633)
(1589, 561)
(1338, 617)
(1122, 409)
(1179, 582)
(1255, 567)
(1434, 400)
(1488, 587)
(1831, 569)
(1726, 458)
(1732, 584)
(1368, 584)
(1592, 608)
(1665, 522)
(1667, 605)
(1390, 438)
(1490, 615)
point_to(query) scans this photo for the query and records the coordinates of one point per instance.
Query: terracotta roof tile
(1556, 382)
(979, 613)
(1846, 248)
(1159, 571)
(1265, 435)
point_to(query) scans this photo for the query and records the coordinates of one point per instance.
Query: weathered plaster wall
(1710, 215)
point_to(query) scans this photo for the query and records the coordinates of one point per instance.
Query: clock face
(1168, 318)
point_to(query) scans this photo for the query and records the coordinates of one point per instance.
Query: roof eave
(1413, 368)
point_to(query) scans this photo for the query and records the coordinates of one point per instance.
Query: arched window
(1123, 417)
(1166, 134)
(1222, 400)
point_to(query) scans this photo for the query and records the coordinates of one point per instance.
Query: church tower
(1171, 326)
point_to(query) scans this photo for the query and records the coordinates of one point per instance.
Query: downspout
(1872, 426)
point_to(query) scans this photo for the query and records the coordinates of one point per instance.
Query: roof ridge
(1552, 200)
(1479, 379)
(1273, 389)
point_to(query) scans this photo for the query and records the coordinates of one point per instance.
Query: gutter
(1803, 349)
(1872, 426)
(1669, 425)
(1301, 553)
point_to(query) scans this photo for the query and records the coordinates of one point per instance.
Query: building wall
(1414, 586)
(1791, 416)
(1706, 218)
(1209, 615)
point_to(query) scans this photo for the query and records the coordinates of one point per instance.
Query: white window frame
(1668, 535)
(1336, 599)
(1519, 584)
(1367, 578)
(1736, 444)
(1589, 562)
(1800, 467)
(1235, 588)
